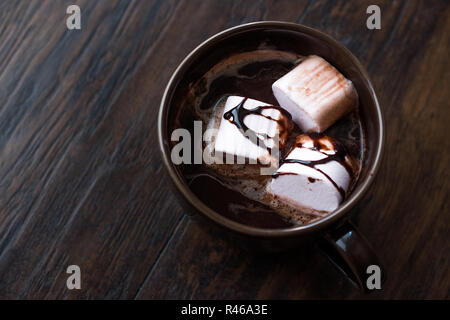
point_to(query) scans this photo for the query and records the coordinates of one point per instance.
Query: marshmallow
(313, 178)
(315, 94)
(262, 125)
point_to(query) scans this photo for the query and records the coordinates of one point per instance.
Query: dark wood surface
(81, 177)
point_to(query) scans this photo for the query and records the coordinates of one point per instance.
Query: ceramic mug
(335, 234)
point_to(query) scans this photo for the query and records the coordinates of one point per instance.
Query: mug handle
(350, 252)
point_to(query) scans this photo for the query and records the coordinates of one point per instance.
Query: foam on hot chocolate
(233, 66)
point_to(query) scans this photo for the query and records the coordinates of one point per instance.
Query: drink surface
(238, 191)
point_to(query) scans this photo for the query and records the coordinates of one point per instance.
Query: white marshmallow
(305, 187)
(232, 142)
(315, 94)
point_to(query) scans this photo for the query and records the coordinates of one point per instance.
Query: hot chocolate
(237, 190)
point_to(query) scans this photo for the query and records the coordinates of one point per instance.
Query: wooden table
(82, 180)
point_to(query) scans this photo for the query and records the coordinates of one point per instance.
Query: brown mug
(335, 234)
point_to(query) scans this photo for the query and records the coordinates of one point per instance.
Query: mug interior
(285, 37)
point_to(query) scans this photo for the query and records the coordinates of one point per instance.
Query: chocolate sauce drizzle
(339, 156)
(238, 114)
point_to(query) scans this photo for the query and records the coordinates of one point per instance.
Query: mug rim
(192, 198)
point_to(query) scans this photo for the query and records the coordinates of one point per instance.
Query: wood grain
(82, 181)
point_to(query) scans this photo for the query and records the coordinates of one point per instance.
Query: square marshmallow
(309, 188)
(230, 140)
(316, 94)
